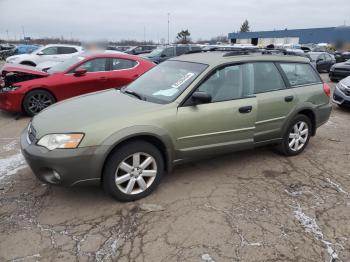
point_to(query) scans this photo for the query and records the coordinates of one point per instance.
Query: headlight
(332, 68)
(342, 87)
(67, 141)
(10, 88)
(11, 59)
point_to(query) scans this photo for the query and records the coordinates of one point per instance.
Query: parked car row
(161, 54)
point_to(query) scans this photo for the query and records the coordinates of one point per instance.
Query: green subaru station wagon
(188, 107)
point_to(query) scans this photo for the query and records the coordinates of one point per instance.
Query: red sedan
(26, 89)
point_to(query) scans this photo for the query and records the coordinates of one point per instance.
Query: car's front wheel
(297, 136)
(37, 100)
(133, 171)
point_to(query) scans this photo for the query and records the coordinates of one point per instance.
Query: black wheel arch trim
(301, 111)
(141, 131)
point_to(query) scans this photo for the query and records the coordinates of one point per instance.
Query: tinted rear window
(300, 74)
(66, 50)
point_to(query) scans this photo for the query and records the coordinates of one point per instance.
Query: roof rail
(236, 51)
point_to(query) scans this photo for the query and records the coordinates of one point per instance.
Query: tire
(37, 100)
(287, 147)
(133, 182)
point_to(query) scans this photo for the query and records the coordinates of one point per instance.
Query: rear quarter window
(299, 74)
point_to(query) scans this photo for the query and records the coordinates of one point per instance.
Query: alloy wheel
(38, 102)
(298, 136)
(136, 173)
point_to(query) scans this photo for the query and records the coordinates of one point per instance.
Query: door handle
(289, 98)
(103, 78)
(245, 109)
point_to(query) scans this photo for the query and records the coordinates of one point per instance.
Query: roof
(63, 45)
(307, 35)
(217, 58)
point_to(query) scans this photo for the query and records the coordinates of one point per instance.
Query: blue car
(25, 49)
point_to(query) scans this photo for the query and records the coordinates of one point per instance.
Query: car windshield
(156, 52)
(60, 67)
(313, 56)
(165, 82)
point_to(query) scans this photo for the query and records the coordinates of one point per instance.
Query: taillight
(327, 89)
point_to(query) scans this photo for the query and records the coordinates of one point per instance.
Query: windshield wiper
(130, 92)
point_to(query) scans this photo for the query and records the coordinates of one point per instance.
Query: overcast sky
(132, 19)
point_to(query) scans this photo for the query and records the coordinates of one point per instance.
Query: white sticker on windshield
(182, 80)
(166, 92)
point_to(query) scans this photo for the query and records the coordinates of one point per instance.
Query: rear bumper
(340, 98)
(338, 75)
(66, 167)
(11, 101)
(322, 114)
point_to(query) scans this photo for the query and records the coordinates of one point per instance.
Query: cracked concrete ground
(249, 206)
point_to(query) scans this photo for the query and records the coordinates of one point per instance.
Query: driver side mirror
(80, 71)
(162, 55)
(40, 53)
(199, 97)
(319, 60)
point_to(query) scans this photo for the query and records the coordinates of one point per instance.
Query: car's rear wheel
(297, 136)
(37, 100)
(133, 171)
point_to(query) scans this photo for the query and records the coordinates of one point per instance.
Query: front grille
(31, 133)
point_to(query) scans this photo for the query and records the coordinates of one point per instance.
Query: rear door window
(267, 77)
(120, 64)
(66, 50)
(180, 50)
(168, 52)
(299, 74)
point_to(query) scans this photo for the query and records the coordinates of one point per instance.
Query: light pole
(168, 27)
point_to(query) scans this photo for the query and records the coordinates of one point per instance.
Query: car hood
(29, 70)
(12, 74)
(342, 65)
(346, 81)
(20, 56)
(98, 115)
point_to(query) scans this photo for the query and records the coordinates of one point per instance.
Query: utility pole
(7, 32)
(144, 34)
(168, 27)
(24, 36)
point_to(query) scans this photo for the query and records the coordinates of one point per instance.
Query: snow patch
(207, 257)
(337, 187)
(9, 147)
(311, 227)
(10, 165)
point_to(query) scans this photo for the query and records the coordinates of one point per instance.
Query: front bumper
(11, 101)
(66, 167)
(338, 75)
(340, 98)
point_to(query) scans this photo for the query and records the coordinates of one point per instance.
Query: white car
(49, 53)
